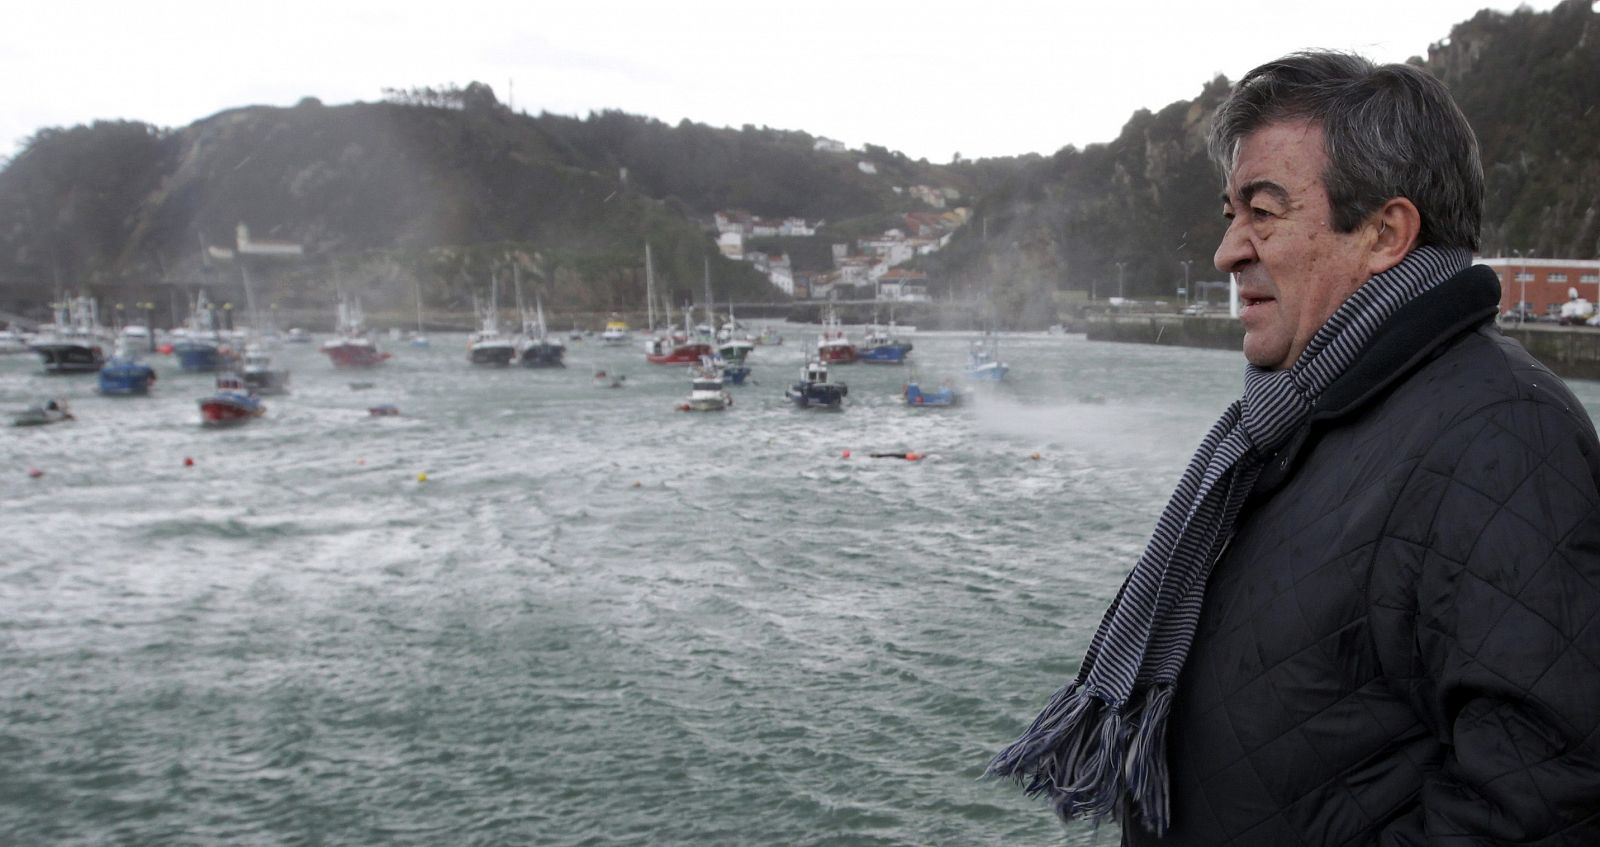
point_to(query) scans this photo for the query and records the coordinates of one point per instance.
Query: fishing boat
(767, 337)
(983, 361)
(814, 391)
(298, 336)
(126, 374)
(833, 347)
(232, 404)
(259, 375)
(672, 351)
(733, 343)
(605, 380)
(40, 414)
(76, 342)
(706, 393)
(880, 346)
(914, 395)
(536, 349)
(199, 344)
(352, 348)
(616, 332)
(488, 346)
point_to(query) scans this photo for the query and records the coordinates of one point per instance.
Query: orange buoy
(35, 473)
(845, 455)
(188, 462)
(912, 457)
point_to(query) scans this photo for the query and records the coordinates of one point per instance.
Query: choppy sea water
(598, 621)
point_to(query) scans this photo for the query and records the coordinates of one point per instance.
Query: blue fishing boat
(916, 397)
(233, 403)
(882, 348)
(814, 390)
(199, 345)
(125, 374)
(983, 361)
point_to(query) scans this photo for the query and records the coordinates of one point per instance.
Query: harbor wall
(1573, 352)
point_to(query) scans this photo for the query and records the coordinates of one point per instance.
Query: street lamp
(1187, 297)
(1120, 295)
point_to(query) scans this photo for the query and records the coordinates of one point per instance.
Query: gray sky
(931, 78)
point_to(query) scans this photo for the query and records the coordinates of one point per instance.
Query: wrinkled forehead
(1291, 154)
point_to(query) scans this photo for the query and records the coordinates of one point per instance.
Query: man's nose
(1236, 250)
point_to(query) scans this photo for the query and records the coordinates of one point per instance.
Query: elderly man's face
(1294, 270)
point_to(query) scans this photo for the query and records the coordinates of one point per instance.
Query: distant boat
(767, 337)
(536, 348)
(232, 404)
(983, 361)
(352, 348)
(488, 346)
(126, 374)
(882, 348)
(259, 375)
(833, 347)
(76, 342)
(915, 396)
(814, 390)
(199, 345)
(616, 332)
(706, 393)
(298, 336)
(40, 414)
(605, 380)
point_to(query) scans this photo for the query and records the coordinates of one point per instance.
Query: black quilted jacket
(1401, 643)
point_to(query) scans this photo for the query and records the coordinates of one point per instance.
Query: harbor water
(529, 610)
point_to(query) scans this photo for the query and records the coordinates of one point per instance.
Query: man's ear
(1396, 228)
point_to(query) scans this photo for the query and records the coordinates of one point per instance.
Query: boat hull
(885, 354)
(817, 395)
(840, 354)
(683, 354)
(944, 397)
(495, 356)
(354, 355)
(229, 408)
(268, 382)
(200, 358)
(69, 357)
(544, 355)
(124, 379)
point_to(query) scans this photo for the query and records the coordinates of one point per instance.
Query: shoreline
(1571, 352)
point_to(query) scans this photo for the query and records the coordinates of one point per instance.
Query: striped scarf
(1098, 748)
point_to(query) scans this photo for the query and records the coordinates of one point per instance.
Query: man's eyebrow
(1264, 186)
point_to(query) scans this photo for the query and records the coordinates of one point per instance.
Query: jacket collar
(1414, 334)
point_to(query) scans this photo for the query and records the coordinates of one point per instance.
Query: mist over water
(598, 621)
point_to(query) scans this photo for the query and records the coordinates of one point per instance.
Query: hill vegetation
(446, 189)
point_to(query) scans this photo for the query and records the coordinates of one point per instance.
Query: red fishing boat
(232, 404)
(352, 349)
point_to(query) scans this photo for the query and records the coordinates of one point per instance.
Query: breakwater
(1572, 352)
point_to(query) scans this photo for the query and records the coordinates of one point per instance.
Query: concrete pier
(1573, 352)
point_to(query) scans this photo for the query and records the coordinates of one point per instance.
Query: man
(1370, 613)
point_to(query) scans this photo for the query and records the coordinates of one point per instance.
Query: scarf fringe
(1092, 758)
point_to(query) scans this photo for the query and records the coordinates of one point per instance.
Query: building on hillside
(735, 220)
(780, 272)
(251, 247)
(828, 145)
(903, 285)
(866, 167)
(1544, 284)
(929, 195)
(731, 244)
(797, 227)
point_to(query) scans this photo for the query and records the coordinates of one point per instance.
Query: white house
(731, 244)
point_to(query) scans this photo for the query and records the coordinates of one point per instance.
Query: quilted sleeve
(1507, 627)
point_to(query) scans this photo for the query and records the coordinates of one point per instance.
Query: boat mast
(649, 288)
(711, 318)
(418, 281)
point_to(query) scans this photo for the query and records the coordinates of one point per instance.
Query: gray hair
(1389, 131)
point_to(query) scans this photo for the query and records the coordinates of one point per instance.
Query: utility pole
(1120, 295)
(1187, 297)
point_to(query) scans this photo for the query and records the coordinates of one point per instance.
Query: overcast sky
(931, 78)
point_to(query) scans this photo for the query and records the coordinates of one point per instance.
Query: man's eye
(1258, 212)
